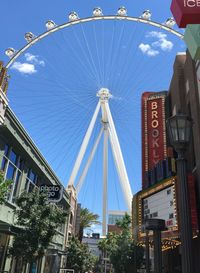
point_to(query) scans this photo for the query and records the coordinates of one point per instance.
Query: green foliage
(4, 187)
(124, 223)
(87, 219)
(79, 257)
(123, 252)
(38, 221)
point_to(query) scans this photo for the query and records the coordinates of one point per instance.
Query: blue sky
(53, 86)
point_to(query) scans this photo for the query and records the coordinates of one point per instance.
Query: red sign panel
(186, 12)
(192, 198)
(153, 130)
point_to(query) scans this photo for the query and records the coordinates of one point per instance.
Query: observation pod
(122, 11)
(73, 16)
(50, 24)
(146, 14)
(29, 36)
(97, 12)
(10, 52)
(170, 22)
(104, 94)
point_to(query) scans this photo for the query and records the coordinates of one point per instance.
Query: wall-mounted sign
(161, 205)
(159, 202)
(192, 40)
(153, 131)
(55, 192)
(186, 12)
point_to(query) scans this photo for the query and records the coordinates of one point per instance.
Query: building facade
(113, 217)
(159, 195)
(184, 95)
(22, 162)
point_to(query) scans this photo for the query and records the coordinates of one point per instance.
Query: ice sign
(186, 12)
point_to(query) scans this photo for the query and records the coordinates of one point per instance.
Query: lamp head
(179, 129)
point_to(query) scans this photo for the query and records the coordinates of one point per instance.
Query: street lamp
(179, 130)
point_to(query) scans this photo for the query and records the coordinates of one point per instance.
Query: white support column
(83, 146)
(84, 173)
(117, 165)
(122, 169)
(105, 178)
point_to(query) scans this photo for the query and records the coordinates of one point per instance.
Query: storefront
(6, 232)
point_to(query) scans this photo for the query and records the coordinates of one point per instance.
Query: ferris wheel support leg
(105, 178)
(122, 169)
(84, 173)
(83, 146)
(117, 165)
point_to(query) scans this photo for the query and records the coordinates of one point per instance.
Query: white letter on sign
(190, 3)
(154, 105)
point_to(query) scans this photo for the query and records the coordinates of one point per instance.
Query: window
(146, 211)
(12, 165)
(71, 218)
(61, 228)
(31, 180)
(155, 214)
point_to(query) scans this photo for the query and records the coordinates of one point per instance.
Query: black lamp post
(179, 130)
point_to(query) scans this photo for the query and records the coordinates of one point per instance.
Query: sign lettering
(153, 127)
(191, 3)
(54, 192)
(155, 132)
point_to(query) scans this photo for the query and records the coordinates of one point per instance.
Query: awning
(6, 228)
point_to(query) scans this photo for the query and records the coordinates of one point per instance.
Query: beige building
(22, 162)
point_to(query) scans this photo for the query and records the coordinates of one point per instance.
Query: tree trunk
(18, 265)
(80, 234)
(39, 264)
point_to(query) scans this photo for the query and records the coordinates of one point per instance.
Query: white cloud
(162, 42)
(156, 34)
(33, 59)
(148, 50)
(24, 68)
(144, 48)
(28, 67)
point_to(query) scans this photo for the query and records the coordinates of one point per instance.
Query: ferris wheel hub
(104, 94)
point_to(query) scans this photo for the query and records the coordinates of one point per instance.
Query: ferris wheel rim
(90, 19)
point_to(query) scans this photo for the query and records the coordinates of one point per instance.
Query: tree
(79, 257)
(38, 221)
(4, 187)
(125, 255)
(87, 219)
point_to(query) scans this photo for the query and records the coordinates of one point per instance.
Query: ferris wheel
(107, 127)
